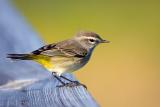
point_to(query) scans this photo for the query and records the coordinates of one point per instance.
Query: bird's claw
(73, 84)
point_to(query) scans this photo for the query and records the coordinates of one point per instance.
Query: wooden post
(25, 83)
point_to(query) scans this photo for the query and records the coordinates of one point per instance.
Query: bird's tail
(20, 56)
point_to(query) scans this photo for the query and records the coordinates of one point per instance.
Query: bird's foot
(73, 84)
(79, 84)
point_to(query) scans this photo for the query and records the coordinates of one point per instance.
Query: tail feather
(19, 56)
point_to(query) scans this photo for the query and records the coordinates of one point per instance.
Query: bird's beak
(105, 41)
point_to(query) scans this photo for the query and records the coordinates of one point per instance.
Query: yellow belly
(56, 63)
(45, 61)
(60, 64)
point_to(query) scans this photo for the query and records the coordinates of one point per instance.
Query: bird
(65, 56)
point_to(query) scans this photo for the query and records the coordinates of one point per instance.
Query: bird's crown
(92, 36)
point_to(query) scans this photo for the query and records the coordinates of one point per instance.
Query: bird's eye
(91, 40)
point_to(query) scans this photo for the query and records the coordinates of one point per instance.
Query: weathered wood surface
(25, 83)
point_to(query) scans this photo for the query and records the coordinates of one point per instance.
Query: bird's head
(89, 40)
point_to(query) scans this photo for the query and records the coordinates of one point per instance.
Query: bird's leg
(73, 83)
(63, 84)
(67, 79)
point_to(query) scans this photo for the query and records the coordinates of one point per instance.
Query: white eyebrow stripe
(85, 37)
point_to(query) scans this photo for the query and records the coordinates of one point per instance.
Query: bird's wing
(44, 48)
(62, 49)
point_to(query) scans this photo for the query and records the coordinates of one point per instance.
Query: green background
(124, 73)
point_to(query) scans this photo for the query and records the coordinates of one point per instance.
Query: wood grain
(25, 83)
